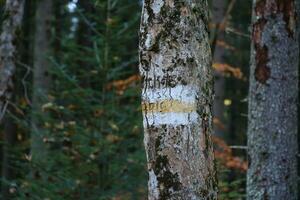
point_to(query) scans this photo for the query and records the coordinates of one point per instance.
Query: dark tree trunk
(11, 24)
(273, 97)
(41, 77)
(219, 9)
(10, 139)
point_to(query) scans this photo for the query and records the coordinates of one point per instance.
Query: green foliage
(238, 36)
(93, 131)
(93, 134)
(232, 184)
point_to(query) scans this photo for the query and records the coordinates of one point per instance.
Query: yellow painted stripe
(167, 106)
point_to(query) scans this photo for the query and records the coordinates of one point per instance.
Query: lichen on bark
(175, 65)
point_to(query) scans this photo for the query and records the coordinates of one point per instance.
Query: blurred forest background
(77, 85)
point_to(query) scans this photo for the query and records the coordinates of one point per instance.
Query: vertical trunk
(7, 162)
(175, 65)
(14, 14)
(85, 37)
(58, 7)
(11, 23)
(219, 7)
(41, 79)
(272, 131)
(84, 32)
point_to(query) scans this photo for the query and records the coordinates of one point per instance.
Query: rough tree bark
(175, 65)
(11, 24)
(272, 131)
(41, 78)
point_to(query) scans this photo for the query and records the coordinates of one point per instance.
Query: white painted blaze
(180, 93)
(157, 118)
(185, 94)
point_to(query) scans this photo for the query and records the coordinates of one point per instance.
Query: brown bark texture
(175, 65)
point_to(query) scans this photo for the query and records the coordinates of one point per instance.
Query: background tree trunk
(218, 11)
(10, 138)
(272, 131)
(175, 64)
(85, 35)
(12, 22)
(41, 77)
(13, 19)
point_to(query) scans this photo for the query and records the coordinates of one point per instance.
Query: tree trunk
(84, 37)
(272, 131)
(10, 138)
(84, 32)
(12, 22)
(175, 65)
(41, 79)
(219, 8)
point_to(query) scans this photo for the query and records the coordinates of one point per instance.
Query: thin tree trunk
(58, 7)
(41, 79)
(12, 22)
(272, 131)
(175, 64)
(10, 138)
(84, 33)
(84, 36)
(219, 9)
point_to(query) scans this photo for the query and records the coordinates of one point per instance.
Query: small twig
(88, 23)
(3, 110)
(237, 32)
(239, 147)
(16, 108)
(244, 115)
(222, 25)
(245, 100)
(29, 70)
